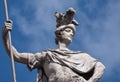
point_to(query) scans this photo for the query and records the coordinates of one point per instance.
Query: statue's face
(67, 35)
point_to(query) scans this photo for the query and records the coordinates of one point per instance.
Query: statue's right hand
(8, 25)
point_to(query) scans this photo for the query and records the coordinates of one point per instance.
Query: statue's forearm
(98, 72)
(5, 40)
(19, 57)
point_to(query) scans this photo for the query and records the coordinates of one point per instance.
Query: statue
(61, 64)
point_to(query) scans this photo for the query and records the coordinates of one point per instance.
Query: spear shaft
(10, 43)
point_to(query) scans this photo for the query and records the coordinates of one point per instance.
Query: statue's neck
(62, 46)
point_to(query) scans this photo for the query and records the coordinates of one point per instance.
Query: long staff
(10, 43)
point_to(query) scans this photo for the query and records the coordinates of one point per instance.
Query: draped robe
(79, 62)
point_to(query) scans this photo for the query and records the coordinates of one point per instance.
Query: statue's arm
(30, 59)
(98, 72)
(19, 57)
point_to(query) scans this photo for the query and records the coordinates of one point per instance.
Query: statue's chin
(68, 41)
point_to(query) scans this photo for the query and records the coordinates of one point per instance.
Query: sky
(33, 31)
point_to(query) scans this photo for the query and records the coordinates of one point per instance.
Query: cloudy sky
(34, 25)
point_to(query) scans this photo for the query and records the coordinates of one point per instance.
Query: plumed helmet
(65, 20)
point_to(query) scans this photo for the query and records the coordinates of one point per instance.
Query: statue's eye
(68, 30)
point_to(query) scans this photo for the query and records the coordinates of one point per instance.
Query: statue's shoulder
(48, 50)
(82, 53)
(66, 51)
(77, 52)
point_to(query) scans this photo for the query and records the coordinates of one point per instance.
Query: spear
(10, 43)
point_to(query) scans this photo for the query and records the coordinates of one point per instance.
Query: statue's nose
(71, 34)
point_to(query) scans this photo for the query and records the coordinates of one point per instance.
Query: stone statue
(61, 64)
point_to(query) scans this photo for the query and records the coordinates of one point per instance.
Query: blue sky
(34, 26)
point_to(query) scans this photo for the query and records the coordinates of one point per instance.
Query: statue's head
(65, 33)
(65, 28)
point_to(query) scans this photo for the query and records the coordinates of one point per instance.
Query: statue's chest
(58, 73)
